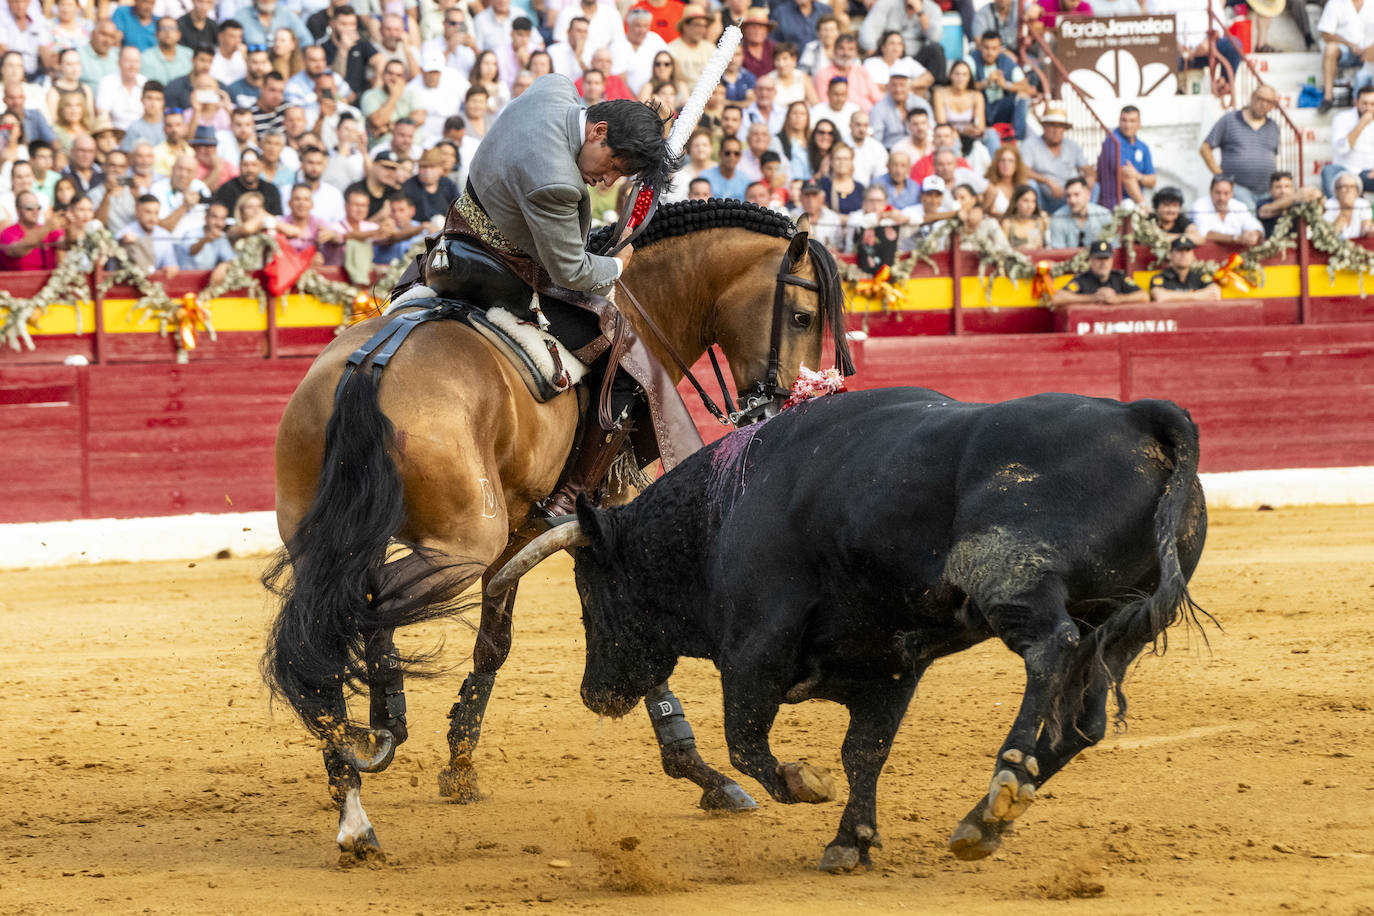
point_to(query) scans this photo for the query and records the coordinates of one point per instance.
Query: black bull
(837, 550)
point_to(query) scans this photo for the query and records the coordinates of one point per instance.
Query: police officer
(1100, 283)
(1182, 280)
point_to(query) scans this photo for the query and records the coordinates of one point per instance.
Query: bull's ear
(796, 252)
(803, 224)
(596, 524)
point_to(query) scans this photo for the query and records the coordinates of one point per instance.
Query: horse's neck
(679, 283)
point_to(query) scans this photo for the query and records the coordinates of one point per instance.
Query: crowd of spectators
(346, 126)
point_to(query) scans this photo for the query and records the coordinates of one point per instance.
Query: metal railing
(1236, 89)
(1087, 129)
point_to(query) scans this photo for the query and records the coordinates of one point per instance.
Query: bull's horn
(386, 750)
(535, 552)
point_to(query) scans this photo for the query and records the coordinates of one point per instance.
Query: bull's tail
(336, 588)
(1102, 655)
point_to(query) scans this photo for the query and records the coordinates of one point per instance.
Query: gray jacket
(525, 175)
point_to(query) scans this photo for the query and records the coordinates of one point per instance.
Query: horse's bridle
(754, 402)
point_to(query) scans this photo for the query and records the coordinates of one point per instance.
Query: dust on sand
(145, 773)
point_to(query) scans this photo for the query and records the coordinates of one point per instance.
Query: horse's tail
(343, 578)
(1100, 659)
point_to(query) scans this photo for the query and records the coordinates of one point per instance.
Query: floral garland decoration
(69, 283)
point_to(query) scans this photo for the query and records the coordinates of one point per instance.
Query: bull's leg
(458, 780)
(979, 835)
(1040, 630)
(678, 747)
(873, 720)
(751, 705)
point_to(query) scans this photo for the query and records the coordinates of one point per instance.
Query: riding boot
(595, 455)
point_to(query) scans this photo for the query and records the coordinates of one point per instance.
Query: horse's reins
(763, 392)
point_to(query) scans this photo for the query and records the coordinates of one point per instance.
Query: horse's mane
(684, 216)
(687, 216)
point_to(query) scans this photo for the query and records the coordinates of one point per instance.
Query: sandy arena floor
(145, 773)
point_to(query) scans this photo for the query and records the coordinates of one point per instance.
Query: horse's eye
(801, 320)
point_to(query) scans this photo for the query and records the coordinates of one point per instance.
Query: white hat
(902, 67)
(933, 184)
(433, 60)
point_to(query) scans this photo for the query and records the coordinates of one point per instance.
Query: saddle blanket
(548, 367)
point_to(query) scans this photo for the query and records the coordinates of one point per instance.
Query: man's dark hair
(738, 110)
(577, 19)
(146, 199)
(231, 24)
(476, 89)
(203, 49)
(153, 86)
(1364, 90)
(1071, 182)
(241, 111)
(989, 34)
(455, 122)
(1280, 175)
(785, 47)
(410, 122)
(1168, 195)
(298, 186)
(769, 156)
(634, 132)
(312, 149)
(1218, 179)
(274, 75)
(345, 10)
(36, 145)
(1129, 109)
(693, 182)
(848, 36)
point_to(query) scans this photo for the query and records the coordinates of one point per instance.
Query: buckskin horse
(395, 496)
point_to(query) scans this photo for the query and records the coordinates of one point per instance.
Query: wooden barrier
(1157, 317)
(130, 440)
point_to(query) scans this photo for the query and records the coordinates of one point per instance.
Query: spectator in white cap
(436, 91)
(934, 208)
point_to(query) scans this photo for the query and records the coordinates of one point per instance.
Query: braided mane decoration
(677, 219)
(682, 217)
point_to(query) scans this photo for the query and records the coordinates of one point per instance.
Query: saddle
(547, 368)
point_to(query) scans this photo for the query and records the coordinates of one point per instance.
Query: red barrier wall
(162, 439)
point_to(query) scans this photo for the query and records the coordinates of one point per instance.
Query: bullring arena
(147, 773)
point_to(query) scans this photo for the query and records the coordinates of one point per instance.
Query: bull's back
(886, 484)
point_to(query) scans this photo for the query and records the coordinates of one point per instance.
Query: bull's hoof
(806, 783)
(1008, 797)
(978, 837)
(458, 783)
(729, 797)
(839, 859)
(361, 850)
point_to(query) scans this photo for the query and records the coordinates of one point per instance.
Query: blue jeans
(1226, 47)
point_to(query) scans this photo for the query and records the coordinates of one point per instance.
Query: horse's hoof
(972, 842)
(807, 783)
(839, 860)
(459, 784)
(729, 797)
(361, 850)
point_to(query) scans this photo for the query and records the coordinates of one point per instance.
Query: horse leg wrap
(386, 691)
(343, 776)
(671, 728)
(465, 725)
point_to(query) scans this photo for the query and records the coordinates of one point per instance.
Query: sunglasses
(255, 49)
(825, 133)
(730, 152)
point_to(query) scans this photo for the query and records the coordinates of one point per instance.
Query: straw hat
(757, 15)
(431, 156)
(692, 11)
(1055, 114)
(102, 124)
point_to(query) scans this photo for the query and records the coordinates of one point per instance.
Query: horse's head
(773, 319)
